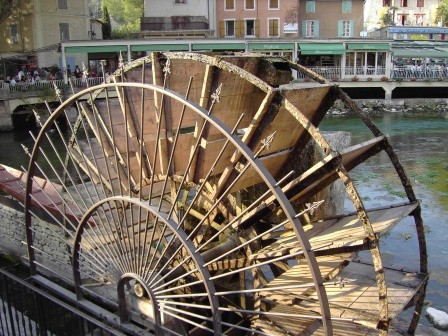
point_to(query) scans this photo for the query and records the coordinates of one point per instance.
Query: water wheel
(178, 192)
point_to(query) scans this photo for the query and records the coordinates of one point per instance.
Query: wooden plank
(339, 232)
(293, 325)
(279, 325)
(288, 129)
(358, 298)
(45, 194)
(318, 176)
(300, 274)
(323, 173)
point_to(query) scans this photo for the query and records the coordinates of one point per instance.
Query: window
(311, 28)
(420, 3)
(229, 5)
(401, 19)
(64, 32)
(14, 29)
(273, 30)
(345, 28)
(386, 3)
(311, 6)
(180, 1)
(403, 3)
(62, 4)
(419, 18)
(273, 4)
(249, 4)
(230, 28)
(346, 6)
(250, 27)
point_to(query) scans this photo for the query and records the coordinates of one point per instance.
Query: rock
(438, 318)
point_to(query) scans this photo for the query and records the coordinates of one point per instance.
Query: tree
(106, 25)
(125, 14)
(442, 13)
(387, 17)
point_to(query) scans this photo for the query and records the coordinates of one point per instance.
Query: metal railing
(28, 310)
(432, 73)
(419, 73)
(49, 84)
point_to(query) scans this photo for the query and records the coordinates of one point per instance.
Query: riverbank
(418, 107)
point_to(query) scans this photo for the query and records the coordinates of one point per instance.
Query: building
(380, 13)
(257, 18)
(178, 18)
(331, 18)
(41, 25)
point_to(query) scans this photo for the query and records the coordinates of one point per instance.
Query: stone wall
(50, 244)
(408, 107)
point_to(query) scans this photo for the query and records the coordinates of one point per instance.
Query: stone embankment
(407, 107)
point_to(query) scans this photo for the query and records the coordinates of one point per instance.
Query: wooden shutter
(340, 27)
(352, 28)
(257, 27)
(316, 28)
(222, 28)
(346, 6)
(304, 28)
(310, 6)
(239, 28)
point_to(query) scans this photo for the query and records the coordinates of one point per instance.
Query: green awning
(321, 48)
(96, 49)
(159, 47)
(368, 46)
(271, 46)
(218, 46)
(420, 53)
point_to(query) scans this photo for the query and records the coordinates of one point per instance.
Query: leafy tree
(106, 25)
(387, 17)
(442, 13)
(125, 14)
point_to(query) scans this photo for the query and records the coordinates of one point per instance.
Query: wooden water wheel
(175, 191)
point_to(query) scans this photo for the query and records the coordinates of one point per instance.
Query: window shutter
(222, 28)
(239, 28)
(257, 28)
(346, 6)
(303, 28)
(352, 28)
(310, 6)
(316, 28)
(276, 28)
(340, 26)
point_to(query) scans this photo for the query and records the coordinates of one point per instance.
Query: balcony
(175, 26)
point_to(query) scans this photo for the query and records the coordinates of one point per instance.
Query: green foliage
(126, 14)
(442, 12)
(123, 32)
(387, 18)
(106, 25)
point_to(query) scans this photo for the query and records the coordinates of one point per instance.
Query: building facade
(380, 13)
(331, 18)
(40, 24)
(257, 18)
(178, 18)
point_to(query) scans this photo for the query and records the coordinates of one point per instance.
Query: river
(421, 145)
